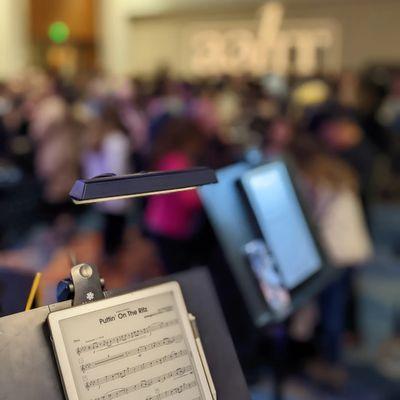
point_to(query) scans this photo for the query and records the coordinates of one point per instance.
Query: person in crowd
(278, 136)
(202, 109)
(15, 143)
(165, 102)
(388, 115)
(133, 117)
(227, 105)
(172, 220)
(389, 111)
(330, 188)
(339, 134)
(108, 151)
(58, 161)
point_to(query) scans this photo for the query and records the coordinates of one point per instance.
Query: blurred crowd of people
(342, 134)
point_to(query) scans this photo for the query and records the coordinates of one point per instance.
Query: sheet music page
(136, 350)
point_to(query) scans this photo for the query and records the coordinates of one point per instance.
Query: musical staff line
(133, 352)
(125, 338)
(149, 382)
(171, 392)
(160, 311)
(132, 370)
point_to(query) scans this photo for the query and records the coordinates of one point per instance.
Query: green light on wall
(58, 32)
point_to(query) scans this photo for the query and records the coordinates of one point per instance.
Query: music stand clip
(84, 285)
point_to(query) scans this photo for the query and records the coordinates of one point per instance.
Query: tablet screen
(134, 350)
(283, 225)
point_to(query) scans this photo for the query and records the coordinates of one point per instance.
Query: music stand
(234, 226)
(30, 370)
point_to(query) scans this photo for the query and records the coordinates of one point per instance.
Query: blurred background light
(59, 32)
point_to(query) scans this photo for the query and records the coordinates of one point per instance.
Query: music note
(171, 392)
(132, 370)
(131, 353)
(149, 382)
(107, 343)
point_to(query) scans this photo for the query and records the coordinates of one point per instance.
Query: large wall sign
(278, 45)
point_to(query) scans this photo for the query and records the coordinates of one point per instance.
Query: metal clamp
(84, 286)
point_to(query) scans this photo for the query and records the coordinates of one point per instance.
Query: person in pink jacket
(172, 220)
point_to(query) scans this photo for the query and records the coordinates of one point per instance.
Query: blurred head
(278, 135)
(319, 167)
(340, 134)
(336, 129)
(180, 135)
(94, 134)
(163, 84)
(111, 120)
